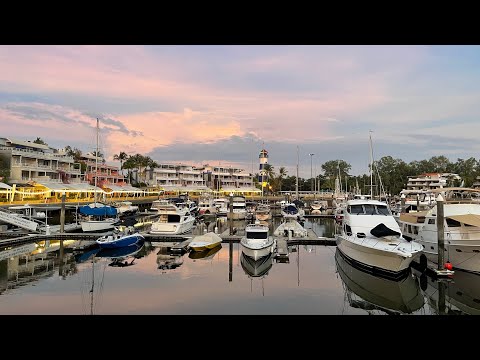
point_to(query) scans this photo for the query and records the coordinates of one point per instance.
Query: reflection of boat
(256, 243)
(120, 239)
(204, 242)
(205, 254)
(120, 252)
(461, 293)
(369, 292)
(167, 260)
(256, 268)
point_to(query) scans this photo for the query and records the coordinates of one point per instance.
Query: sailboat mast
(371, 166)
(96, 168)
(296, 182)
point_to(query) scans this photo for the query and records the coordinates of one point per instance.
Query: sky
(220, 105)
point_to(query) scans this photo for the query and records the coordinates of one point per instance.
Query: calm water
(315, 280)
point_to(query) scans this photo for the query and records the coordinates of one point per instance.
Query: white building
(28, 161)
(429, 181)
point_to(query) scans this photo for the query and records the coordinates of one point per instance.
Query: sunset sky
(221, 104)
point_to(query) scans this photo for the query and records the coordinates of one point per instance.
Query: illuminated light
(448, 266)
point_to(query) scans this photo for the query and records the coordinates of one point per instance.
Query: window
(369, 209)
(431, 221)
(382, 210)
(356, 209)
(348, 230)
(452, 223)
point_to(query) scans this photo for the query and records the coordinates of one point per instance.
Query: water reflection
(376, 294)
(459, 295)
(258, 268)
(226, 285)
(168, 260)
(206, 254)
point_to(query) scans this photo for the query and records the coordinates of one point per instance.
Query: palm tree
(122, 156)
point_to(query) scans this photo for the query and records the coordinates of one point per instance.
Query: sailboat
(97, 216)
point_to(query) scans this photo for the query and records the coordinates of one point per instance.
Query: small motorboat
(120, 239)
(204, 242)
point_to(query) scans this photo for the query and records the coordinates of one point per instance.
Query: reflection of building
(28, 161)
(21, 265)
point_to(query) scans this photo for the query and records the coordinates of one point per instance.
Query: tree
(39, 141)
(335, 168)
(122, 156)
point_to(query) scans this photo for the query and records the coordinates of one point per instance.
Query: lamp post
(311, 169)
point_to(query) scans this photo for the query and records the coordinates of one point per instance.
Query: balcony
(37, 154)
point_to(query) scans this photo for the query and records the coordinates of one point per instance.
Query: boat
(126, 208)
(290, 211)
(206, 254)
(172, 220)
(262, 212)
(339, 214)
(290, 228)
(256, 242)
(206, 206)
(97, 216)
(371, 237)
(317, 207)
(221, 205)
(120, 239)
(461, 229)
(369, 292)
(203, 242)
(239, 208)
(256, 268)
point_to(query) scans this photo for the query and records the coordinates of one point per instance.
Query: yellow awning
(470, 219)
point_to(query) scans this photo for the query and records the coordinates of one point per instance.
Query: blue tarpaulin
(98, 211)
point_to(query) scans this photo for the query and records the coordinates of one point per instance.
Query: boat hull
(124, 241)
(172, 228)
(93, 226)
(386, 263)
(257, 251)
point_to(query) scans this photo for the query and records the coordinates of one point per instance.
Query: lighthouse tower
(262, 176)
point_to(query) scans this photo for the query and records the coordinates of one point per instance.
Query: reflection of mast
(298, 264)
(91, 290)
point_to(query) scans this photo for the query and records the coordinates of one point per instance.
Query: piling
(402, 203)
(62, 215)
(441, 232)
(230, 261)
(231, 214)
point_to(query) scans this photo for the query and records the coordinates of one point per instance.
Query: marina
(161, 270)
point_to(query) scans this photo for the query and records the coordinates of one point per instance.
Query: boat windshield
(369, 209)
(257, 234)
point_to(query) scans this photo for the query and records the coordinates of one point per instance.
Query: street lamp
(311, 169)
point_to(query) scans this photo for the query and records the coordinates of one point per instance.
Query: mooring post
(62, 215)
(231, 213)
(230, 261)
(402, 203)
(418, 202)
(441, 232)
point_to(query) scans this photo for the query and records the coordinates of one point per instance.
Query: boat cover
(382, 230)
(98, 211)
